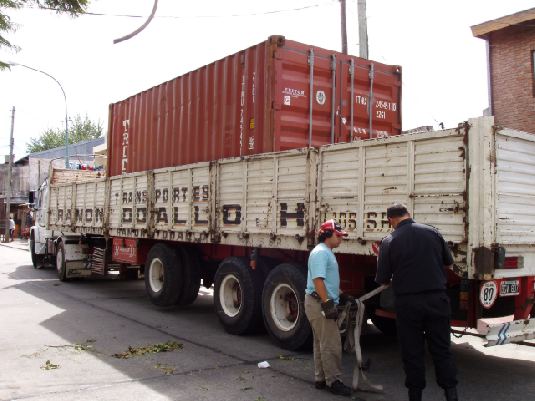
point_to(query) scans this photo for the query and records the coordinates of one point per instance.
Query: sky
(444, 66)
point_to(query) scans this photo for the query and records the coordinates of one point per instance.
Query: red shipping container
(274, 96)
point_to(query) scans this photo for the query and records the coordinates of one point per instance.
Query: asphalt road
(77, 327)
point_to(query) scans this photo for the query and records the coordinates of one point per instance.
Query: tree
(71, 7)
(79, 130)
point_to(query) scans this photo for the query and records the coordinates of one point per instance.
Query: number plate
(509, 288)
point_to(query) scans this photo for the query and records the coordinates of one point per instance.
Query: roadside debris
(286, 358)
(149, 349)
(263, 364)
(167, 369)
(49, 365)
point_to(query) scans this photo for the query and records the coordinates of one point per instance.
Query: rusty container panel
(257, 100)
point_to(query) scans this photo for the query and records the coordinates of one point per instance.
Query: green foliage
(149, 349)
(71, 7)
(79, 130)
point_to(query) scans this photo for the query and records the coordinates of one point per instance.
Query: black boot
(451, 394)
(415, 394)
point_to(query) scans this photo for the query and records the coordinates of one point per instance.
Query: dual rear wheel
(247, 302)
(171, 276)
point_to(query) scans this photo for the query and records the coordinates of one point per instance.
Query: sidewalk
(17, 243)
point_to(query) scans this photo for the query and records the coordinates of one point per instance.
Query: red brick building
(511, 68)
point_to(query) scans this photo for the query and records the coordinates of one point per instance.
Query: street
(58, 341)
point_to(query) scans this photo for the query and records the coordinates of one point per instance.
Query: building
(511, 68)
(30, 171)
(79, 153)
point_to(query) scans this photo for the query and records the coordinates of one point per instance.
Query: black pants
(425, 318)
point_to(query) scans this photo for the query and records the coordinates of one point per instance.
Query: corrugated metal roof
(80, 148)
(482, 30)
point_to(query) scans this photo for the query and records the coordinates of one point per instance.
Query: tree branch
(131, 35)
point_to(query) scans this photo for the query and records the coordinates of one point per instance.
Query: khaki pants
(327, 343)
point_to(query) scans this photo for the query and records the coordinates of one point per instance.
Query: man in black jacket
(414, 258)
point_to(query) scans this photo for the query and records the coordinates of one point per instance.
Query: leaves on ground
(167, 369)
(286, 358)
(83, 347)
(149, 349)
(49, 365)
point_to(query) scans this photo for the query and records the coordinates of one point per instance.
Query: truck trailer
(222, 176)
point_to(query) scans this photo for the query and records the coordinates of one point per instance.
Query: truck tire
(37, 260)
(385, 325)
(191, 276)
(61, 266)
(283, 307)
(163, 279)
(237, 296)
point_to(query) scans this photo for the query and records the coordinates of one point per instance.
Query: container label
(321, 97)
(287, 100)
(124, 144)
(293, 92)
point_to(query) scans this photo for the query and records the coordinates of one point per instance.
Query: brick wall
(512, 81)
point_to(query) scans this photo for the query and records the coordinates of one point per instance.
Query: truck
(222, 177)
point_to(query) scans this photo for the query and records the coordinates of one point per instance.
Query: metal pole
(64, 97)
(363, 29)
(9, 173)
(66, 134)
(343, 23)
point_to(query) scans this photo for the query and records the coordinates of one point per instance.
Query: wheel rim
(230, 295)
(59, 259)
(284, 307)
(156, 275)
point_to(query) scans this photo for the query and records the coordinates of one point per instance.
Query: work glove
(346, 299)
(328, 309)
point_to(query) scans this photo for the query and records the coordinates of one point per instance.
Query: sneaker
(320, 385)
(339, 388)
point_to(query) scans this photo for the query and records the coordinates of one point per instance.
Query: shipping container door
(369, 100)
(296, 108)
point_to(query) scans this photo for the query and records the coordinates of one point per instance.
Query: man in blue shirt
(322, 296)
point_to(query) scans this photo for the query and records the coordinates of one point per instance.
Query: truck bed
(474, 183)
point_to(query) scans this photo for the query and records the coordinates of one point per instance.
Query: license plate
(509, 288)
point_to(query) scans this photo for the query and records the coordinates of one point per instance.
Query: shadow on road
(111, 315)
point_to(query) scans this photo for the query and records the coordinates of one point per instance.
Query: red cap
(332, 225)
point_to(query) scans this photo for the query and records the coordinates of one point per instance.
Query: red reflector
(511, 263)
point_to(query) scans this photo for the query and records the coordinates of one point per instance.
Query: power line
(207, 16)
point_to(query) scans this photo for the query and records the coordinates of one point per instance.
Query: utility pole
(343, 24)
(363, 29)
(8, 189)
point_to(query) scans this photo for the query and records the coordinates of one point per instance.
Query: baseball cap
(332, 225)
